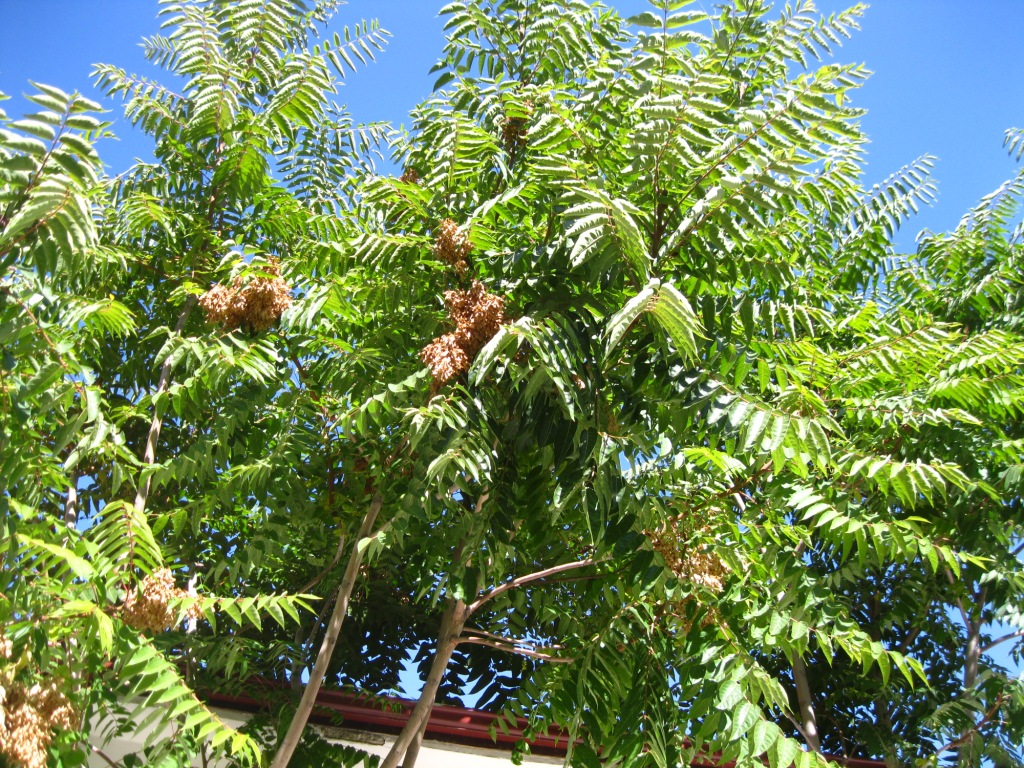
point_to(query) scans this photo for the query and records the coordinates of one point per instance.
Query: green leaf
(782, 753)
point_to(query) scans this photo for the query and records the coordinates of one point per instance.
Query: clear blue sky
(949, 76)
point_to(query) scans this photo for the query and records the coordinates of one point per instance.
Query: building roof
(450, 724)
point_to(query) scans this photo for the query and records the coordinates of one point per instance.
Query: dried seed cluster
(693, 564)
(513, 134)
(513, 131)
(477, 316)
(256, 305)
(27, 719)
(150, 608)
(451, 246)
(410, 176)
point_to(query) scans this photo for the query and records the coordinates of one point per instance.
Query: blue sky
(949, 76)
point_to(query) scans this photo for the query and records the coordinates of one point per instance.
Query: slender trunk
(154, 427)
(883, 715)
(973, 654)
(972, 657)
(803, 695)
(407, 747)
(296, 673)
(316, 677)
(71, 505)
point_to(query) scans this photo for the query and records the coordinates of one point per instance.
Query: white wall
(433, 754)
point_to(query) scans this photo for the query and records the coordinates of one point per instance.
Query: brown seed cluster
(410, 176)
(513, 134)
(477, 316)
(150, 608)
(451, 246)
(27, 719)
(514, 130)
(693, 564)
(256, 305)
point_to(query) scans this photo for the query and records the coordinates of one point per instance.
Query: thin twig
(504, 639)
(99, 752)
(517, 650)
(320, 576)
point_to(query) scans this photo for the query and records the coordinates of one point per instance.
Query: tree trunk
(154, 427)
(71, 505)
(973, 654)
(803, 694)
(407, 747)
(316, 677)
(972, 658)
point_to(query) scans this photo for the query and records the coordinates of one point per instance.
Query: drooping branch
(323, 659)
(517, 649)
(507, 640)
(149, 457)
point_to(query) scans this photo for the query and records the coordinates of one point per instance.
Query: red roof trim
(470, 727)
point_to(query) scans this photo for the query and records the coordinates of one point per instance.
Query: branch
(320, 576)
(959, 602)
(516, 649)
(529, 578)
(910, 638)
(149, 458)
(323, 659)
(964, 737)
(794, 722)
(509, 640)
(99, 753)
(1001, 640)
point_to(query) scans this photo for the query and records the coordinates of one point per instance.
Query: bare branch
(99, 753)
(516, 649)
(966, 735)
(504, 639)
(529, 578)
(323, 659)
(1002, 640)
(806, 701)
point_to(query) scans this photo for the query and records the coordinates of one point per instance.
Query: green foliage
(726, 446)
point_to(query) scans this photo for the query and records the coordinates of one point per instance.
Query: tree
(126, 409)
(622, 373)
